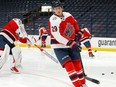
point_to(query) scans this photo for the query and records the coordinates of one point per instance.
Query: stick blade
(92, 80)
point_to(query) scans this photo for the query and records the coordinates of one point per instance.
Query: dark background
(99, 16)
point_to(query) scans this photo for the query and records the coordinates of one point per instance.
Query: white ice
(40, 71)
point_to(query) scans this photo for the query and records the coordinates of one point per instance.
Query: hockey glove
(74, 45)
(79, 36)
(31, 41)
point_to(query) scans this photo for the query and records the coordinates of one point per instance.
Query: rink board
(98, 44)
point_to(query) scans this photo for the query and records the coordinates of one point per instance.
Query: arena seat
(99, 16)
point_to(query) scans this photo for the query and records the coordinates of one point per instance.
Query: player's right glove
(74, 45)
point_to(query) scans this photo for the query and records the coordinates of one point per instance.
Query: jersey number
(54, 29)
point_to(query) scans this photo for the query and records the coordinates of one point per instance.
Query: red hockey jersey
(43, 31)
(62, 30)
(9, 32)
(86, 34)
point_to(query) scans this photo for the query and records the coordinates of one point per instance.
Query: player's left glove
(78, 36)
(74, 45)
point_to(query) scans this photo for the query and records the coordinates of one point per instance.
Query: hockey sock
(78, 67)
(72, 74)
(89, 50)
(43, 44)
(88, 46)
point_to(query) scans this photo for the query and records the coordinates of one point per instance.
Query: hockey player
(63, 28)
(8, 35)
(43, 33)
(85, 39)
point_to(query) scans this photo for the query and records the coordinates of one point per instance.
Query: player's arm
(23, 40)
(79, 33)
(22, 37)
(87, 33)
(49, 26)
(76, 26)
(55, 31)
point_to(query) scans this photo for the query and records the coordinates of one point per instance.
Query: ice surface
(40, 71)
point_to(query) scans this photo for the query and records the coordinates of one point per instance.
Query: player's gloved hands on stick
(31, 41)
(74, 45)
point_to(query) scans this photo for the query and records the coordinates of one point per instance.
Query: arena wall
(98, 43)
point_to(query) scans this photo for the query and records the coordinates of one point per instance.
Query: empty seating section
(98, 15)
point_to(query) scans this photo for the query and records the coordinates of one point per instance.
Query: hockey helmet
(56, 4)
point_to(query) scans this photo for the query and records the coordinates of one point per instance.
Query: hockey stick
(46, 53)
(92, 80)
(89, 78)
(42, 50)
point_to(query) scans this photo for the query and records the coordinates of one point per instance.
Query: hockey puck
(95, 51)
(112, 72)
(103, 73)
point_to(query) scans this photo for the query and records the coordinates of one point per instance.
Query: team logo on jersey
(69, 30)
(54, 18)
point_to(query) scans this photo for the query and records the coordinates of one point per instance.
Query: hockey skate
(91, 55)
(16, 69)
(43, 45)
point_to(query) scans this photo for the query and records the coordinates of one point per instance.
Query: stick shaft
(89, 78)
(47, 54)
